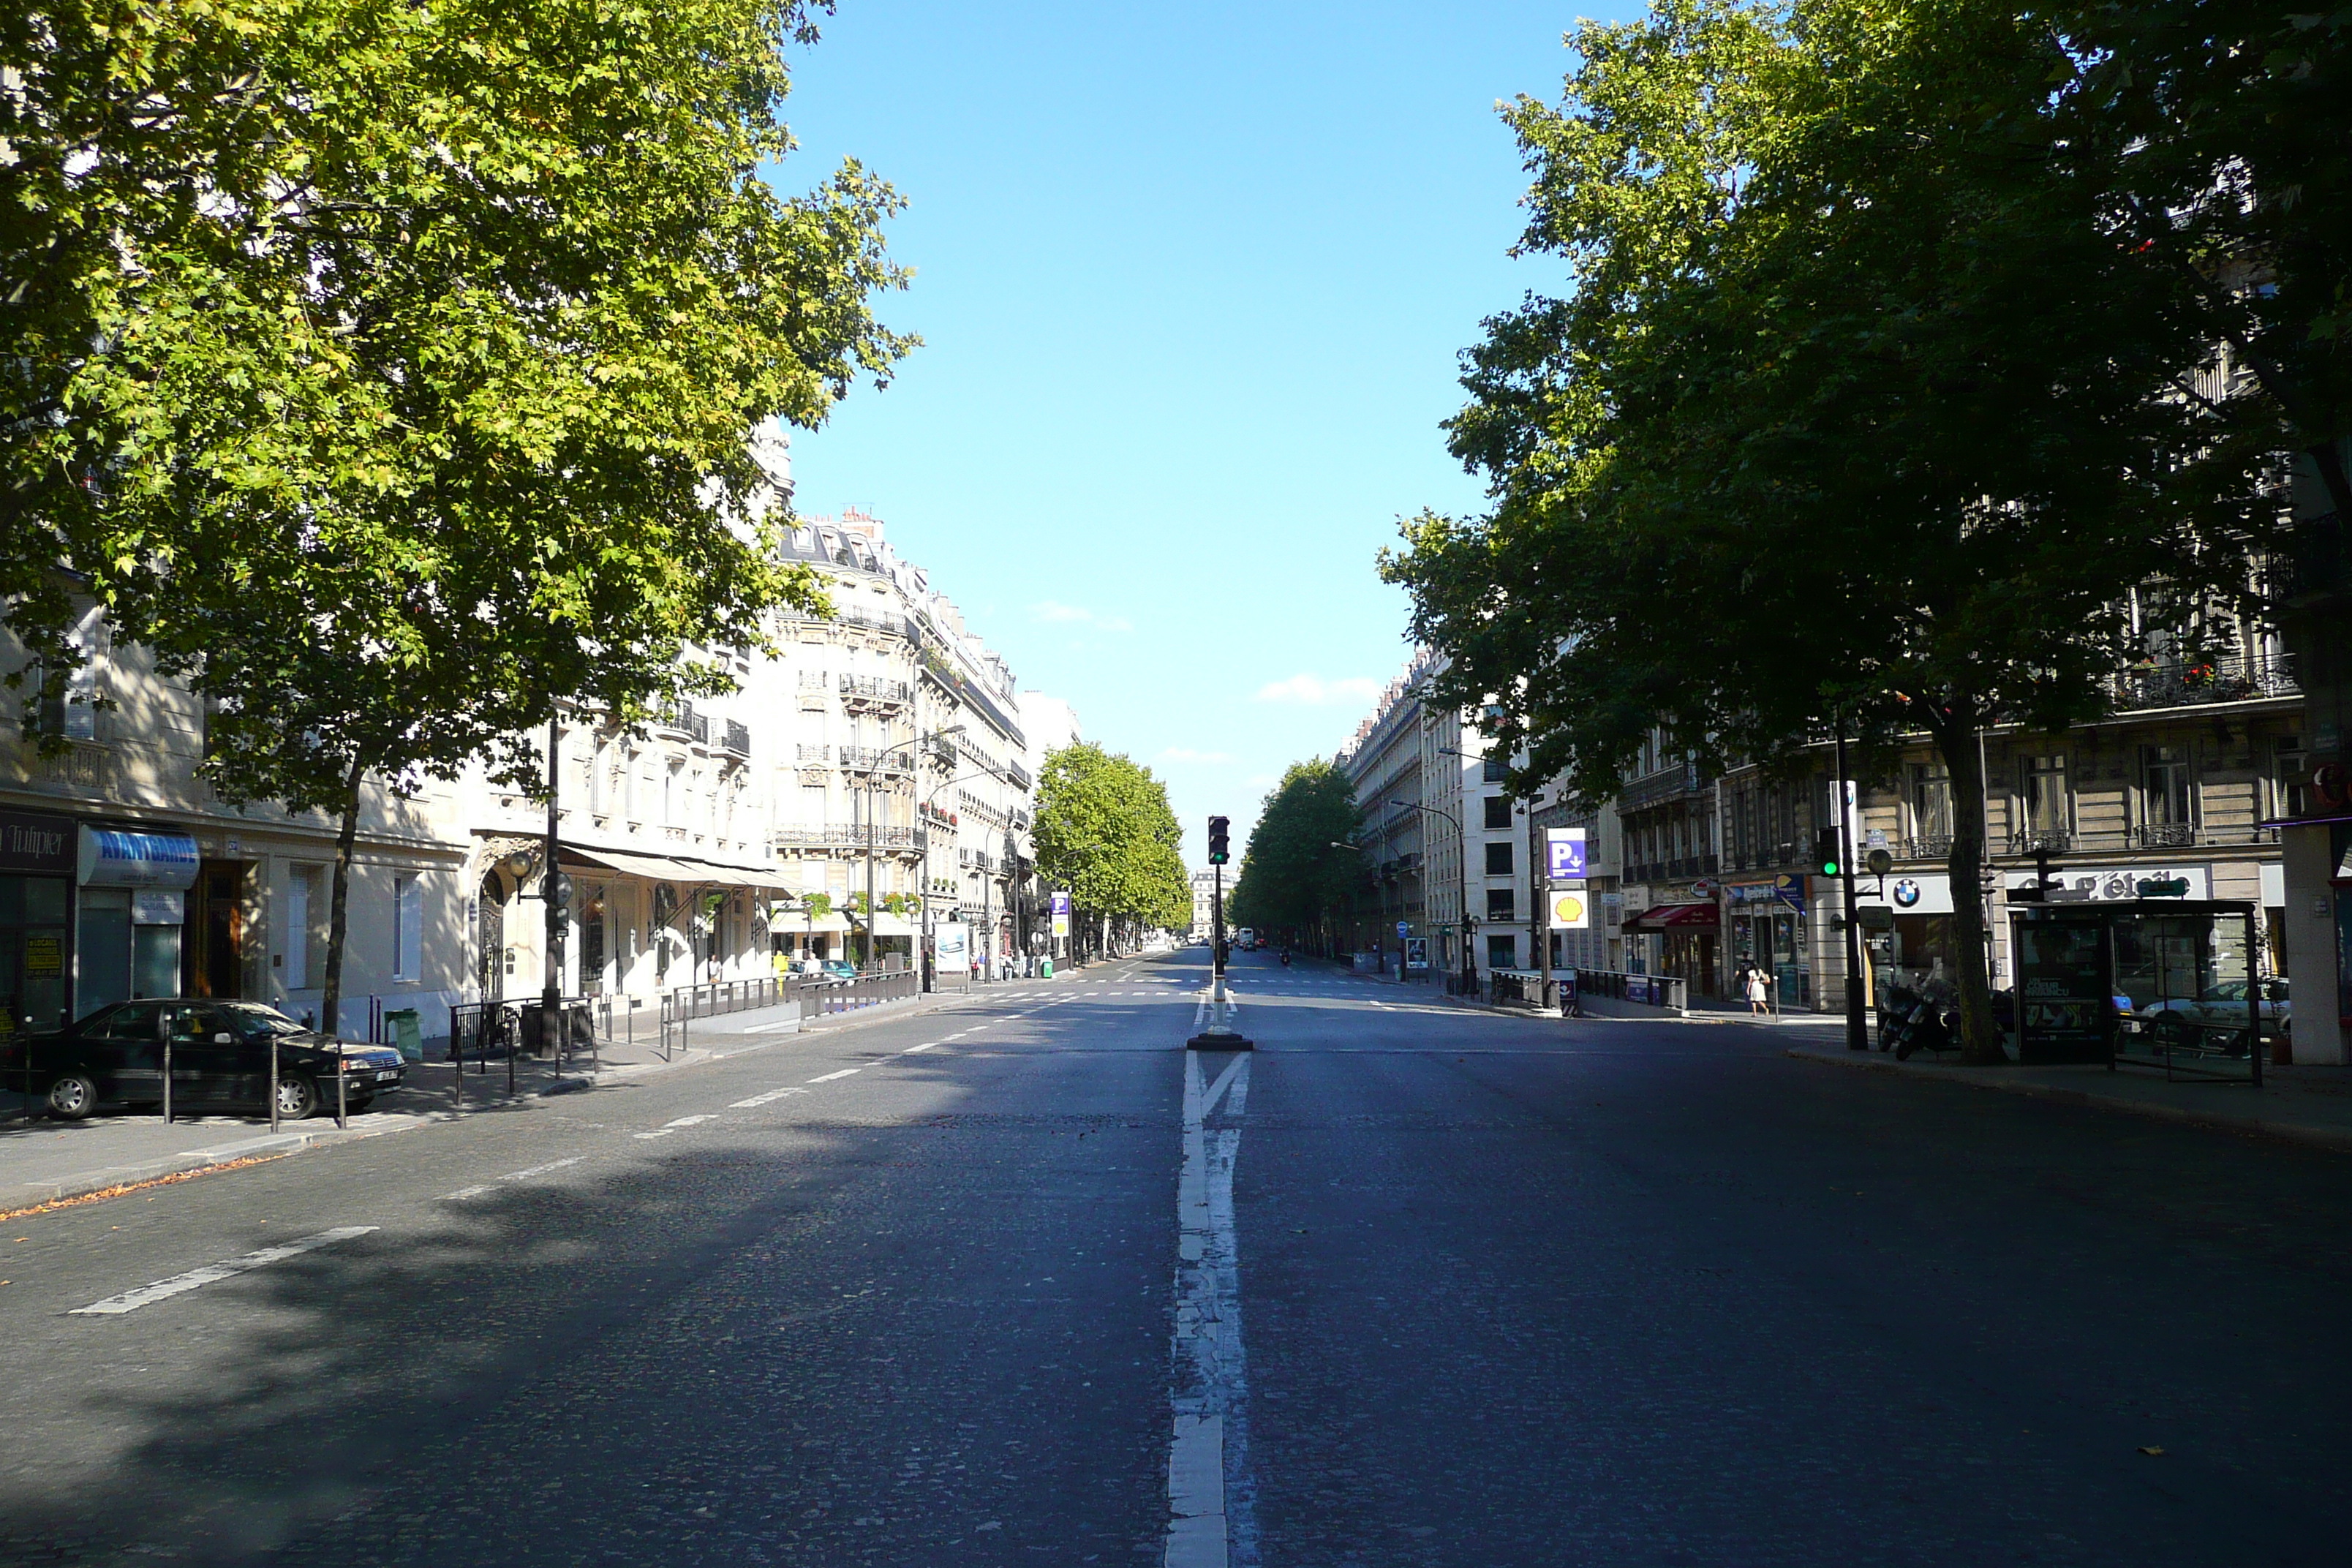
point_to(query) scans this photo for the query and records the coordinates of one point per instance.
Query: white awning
(652, 867)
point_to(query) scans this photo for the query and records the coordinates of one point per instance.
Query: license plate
(387, 1078)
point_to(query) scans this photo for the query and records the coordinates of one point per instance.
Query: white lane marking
(131, 1300)
(772, 1028)
(828, 1077)
(689, 1121)
(662, 1133)
(462, 1193)
(764, 1098)
(910, 1050)
(1208, 1399)
(525, 1174)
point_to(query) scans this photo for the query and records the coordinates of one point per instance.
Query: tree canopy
(1291, 876)
(1857, 370)
(1106, 833)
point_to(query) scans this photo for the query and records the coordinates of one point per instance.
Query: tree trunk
(1957, 738)
(331, 1002)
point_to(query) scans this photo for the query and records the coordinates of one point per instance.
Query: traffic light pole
(1218, 1034)
(1857, 1030)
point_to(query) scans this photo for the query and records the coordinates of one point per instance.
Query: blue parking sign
(1564, 854)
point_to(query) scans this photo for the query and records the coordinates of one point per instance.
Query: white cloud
(1315, 689)
(1187, 754)
(1057, 614)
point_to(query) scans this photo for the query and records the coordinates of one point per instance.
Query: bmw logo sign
(1906, 893)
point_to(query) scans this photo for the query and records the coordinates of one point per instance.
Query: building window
(1499, 904)
(2042, 788)
(305, 941)
(1502, 951)
(1498, 811)
(1494, 768)
(2291, 776)
(408, 927)
(1499, 858)
(2166, 797)
(1931, 800)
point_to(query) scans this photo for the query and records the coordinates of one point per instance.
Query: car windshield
(258, 1023)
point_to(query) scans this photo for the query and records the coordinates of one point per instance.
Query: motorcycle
(1286, 958)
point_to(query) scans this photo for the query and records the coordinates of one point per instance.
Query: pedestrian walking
(1759, 994)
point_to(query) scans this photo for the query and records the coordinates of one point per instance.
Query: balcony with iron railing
(877, 760)
(1018, 775)
(738, 739)
(805, 755)
(849, 835)
(2182, 683)
(874, 690)
(815, 681)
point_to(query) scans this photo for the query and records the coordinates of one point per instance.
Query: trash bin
(1045, 970)
(405, 1034)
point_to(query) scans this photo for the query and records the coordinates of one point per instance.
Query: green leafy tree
(1106, 833)
(1856, 371)
(1291, 876)
(428, 412)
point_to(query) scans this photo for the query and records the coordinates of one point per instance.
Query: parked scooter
(1914, 1021)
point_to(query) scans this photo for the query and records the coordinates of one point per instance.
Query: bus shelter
(2173, 984)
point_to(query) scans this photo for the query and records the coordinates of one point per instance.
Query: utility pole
(1538, 959)
(1857, 1031)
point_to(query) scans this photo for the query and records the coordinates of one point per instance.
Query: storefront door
(216, 939)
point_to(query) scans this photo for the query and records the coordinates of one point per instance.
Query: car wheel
(72, 1097)
(2169, 1031)
(298, 1098)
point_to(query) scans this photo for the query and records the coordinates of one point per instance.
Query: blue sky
(1192, 283)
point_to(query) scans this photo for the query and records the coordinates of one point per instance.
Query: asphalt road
(1509, 1292)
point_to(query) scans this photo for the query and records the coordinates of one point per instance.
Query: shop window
(1499, 904)
(1498, 811)
(1499, 858)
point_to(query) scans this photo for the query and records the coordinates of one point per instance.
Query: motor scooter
(1286, 958)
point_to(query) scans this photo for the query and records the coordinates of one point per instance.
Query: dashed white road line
(764, 1098)
(464, 1193)
(910, 1050)
(525, 1174)
(179, 1284)
(828, 1077)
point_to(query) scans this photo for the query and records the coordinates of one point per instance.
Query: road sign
(1061, 914)
(1564, 854)
(1403, 927)
(1571, 911)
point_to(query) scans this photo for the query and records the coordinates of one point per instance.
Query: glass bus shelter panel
(2065, 1006)
(2185, 977)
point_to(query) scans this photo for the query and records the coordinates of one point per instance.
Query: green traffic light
(1830, 869)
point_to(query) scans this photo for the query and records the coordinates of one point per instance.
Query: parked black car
(220, 1060)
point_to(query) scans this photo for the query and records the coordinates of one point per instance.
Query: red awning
(1678, 917)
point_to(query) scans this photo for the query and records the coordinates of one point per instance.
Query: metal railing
(877, 759)
(815, 997)
(2179, 683)
(738, 738)
(1668, 991)
(848, 835)
(875, 688)
(805, 752)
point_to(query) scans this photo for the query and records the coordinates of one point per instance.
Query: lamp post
(1462, 887)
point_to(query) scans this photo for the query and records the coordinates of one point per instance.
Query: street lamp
(1462, 887)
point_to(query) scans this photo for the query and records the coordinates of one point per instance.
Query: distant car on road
(838, 969)
(220, 1059)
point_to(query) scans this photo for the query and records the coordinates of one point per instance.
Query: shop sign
(1929, 893)
(45, 955)
(1787, 889)
(2113, 882)
(115, 858)
(33, 843)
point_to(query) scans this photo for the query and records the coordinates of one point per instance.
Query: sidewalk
(2307, 1104)
(42, 1160)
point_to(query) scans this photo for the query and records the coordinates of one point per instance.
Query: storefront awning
(1678, 917)
(666, 868)
(786, 924)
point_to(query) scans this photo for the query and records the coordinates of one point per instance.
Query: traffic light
(1220, 850)
(1825, 852)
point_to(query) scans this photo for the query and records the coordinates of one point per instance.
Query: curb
(32, 1195)
(2292, 1132)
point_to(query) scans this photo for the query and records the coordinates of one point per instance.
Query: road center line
(828, 1077)
(1209, 1527)
(910, 1050)
(212, 1273)
(524, 1175)
(764, 1098)
(689, 1121)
